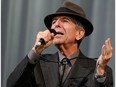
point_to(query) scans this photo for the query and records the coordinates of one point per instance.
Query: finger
(45, 35)
(103, 50)
(108, 44)
(108, 47)
(48, 43)
(104, 56)
(108, 41)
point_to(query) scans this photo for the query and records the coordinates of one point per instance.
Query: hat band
(66, 10)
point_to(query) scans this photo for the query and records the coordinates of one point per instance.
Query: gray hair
(80, 26)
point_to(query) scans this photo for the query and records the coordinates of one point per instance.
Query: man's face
(66, 29)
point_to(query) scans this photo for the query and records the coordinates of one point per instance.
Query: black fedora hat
(72, 10)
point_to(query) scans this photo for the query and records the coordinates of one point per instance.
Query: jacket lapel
(78, 73)
(50, 71)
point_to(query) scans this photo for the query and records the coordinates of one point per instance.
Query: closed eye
(64, 20)
(54, 21)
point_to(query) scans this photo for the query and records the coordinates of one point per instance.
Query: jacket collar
(76, 76)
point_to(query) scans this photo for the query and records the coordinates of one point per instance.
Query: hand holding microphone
(43, 40)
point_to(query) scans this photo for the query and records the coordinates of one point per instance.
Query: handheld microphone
(42, 41)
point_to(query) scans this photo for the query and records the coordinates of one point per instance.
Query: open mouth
(59, 33)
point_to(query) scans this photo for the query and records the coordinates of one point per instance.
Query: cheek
(71, 34)
(69, 37)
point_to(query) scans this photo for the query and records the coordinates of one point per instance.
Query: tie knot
(65, 61)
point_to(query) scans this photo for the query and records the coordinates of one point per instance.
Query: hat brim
(87, 25)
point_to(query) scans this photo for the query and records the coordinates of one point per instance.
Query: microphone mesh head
(53, 31)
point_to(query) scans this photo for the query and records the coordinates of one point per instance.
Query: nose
(56, 24)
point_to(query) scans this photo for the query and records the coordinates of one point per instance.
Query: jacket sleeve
(109, 78)
(23, 75)
(91, 80)
(108, 81)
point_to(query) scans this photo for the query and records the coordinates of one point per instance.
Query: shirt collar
(61, 56)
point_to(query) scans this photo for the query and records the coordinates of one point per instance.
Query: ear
(80, 34)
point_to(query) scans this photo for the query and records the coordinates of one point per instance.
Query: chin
(57, 42)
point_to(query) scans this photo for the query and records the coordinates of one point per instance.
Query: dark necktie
(64, 69)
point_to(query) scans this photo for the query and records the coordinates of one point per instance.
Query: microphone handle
(42, 41)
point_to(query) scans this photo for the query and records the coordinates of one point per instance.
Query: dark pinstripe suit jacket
(46, 74)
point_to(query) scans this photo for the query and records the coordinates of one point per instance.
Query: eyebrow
(68, 18)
